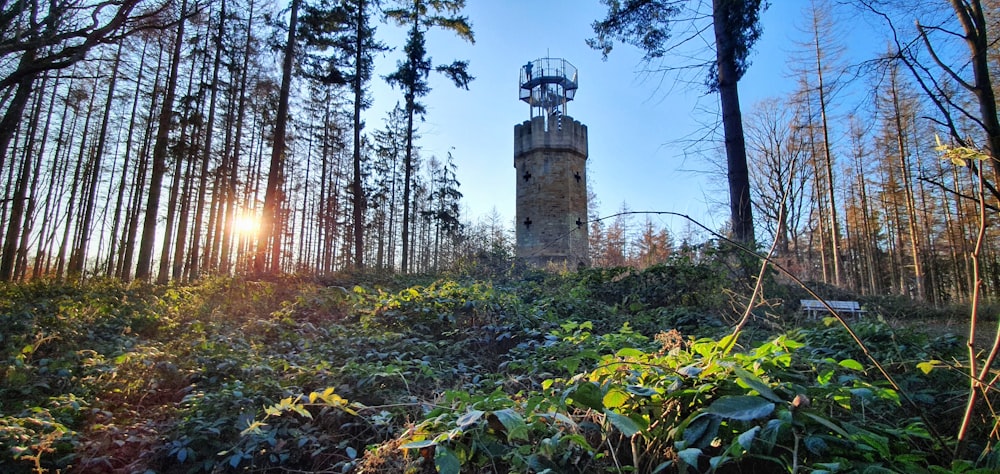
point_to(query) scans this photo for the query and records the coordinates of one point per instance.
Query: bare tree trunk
(954, 229)
(90, 200)
(741, 209)
(323, 241)
(251, 191)
(180, 242)
(71, 207)
(232, 168)
(303, 229)
(852, 250)
(970, 15)
(9, 123)
(58, 185)
(43, 253)
(818, 184)
(17, 237)
(142, 170)
(357, 191)
(174, 199)
(895, 231)
(138, 193)
(145, 258)
(866, 240)
(17, 212)
(15, 109)
(828, 168)
(271, 224)
(112, 269)
(20, 269)
(907, 184)
(393, 209)
(411, 109)
(404, 266)
(965, 231)
(194, 269)
(933, 284)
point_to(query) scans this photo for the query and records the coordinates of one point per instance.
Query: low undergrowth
(605, 370)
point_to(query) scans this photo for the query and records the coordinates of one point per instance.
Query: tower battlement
(554, 134)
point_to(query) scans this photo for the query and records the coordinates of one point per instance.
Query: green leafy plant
(687, 405)
(302, 430)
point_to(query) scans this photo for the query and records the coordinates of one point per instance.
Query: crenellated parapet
(552, 133)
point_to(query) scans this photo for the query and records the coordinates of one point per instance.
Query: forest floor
(986, 329)
(570, 372)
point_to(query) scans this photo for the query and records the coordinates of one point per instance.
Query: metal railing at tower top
(548, 83)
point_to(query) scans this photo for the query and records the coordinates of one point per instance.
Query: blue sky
(637, 123)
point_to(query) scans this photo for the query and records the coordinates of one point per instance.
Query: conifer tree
(412, 73)
(647, 24)
(272, 223)
(35, 38)
(145, 257)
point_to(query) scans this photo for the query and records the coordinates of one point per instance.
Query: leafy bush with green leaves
(438, 307)
(317, 425)
(690, 404)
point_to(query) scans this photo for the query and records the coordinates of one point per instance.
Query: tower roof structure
(547, 84)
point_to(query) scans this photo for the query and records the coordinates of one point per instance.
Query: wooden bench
(815, 307)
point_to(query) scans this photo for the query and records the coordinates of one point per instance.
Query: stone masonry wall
(551, 191)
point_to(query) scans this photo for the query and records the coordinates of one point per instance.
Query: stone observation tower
(550, 155)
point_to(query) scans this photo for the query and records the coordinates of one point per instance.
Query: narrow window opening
(579, 223)
(577, 176)
(527, 175)
(527, 223)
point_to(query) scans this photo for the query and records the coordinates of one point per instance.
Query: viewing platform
(547, 84)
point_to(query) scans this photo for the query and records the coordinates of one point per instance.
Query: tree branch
(950, 72)
(948, 190)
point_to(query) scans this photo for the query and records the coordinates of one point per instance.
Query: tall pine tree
(411, 76)
(647, 24)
